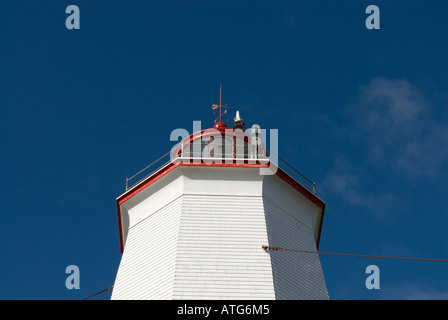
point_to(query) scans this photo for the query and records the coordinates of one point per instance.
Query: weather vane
(220, 106)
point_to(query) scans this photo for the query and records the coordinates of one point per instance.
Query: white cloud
(400, 129)
(399, 136)
(344, 181)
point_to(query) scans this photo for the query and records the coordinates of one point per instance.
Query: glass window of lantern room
(241, 148)
(218, 147)
(195, 149)
(205, 147)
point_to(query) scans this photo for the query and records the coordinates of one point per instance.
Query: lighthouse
(195, 227)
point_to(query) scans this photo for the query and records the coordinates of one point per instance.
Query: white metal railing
(264, 160)
(237, 160)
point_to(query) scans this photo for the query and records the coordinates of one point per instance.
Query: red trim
(239, 165)
(299, 187)
(173, 165)
(308, 194)
(132, 192)
(120, 226)
(320, 227)
(156, 176)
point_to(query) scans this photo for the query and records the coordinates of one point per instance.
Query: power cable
(107, 289)
(352, 255)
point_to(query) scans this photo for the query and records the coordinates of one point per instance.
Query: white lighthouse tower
(195, 227)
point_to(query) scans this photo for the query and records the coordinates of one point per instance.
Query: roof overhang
(260, 163)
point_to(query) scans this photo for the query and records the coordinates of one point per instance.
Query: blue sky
(362, 112)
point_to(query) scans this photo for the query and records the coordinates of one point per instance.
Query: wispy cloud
(400, 129)
(409, 291)
(344, 181)
(398, 133)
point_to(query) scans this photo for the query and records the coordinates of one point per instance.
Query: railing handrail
(294, 169)
(224, 159)
(144, 169)
(211, 159)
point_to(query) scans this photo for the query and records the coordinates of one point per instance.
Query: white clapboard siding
(296, 275)
(198, 232)
(147, 267)
(219, 252)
